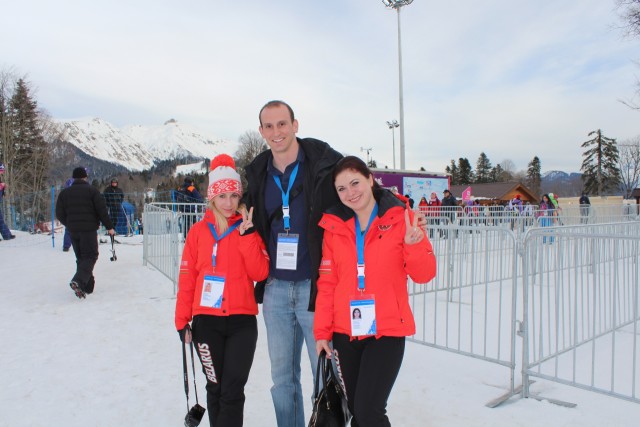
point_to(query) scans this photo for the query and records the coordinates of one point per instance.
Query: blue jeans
(288, 323)
(66, 240)
(4, 230)
(547, 222)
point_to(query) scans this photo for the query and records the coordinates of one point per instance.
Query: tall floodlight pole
(397, 4)
(393, 125)
(368, 150)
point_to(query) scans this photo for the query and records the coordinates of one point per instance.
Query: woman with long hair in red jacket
(371, 243)
(222, 259)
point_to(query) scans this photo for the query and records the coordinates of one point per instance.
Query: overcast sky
(514, 79)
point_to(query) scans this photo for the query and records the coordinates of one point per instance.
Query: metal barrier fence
(166, 227)
(578, 311)
(529, 216)
(470, 306)
(580, 307)
(571, 293)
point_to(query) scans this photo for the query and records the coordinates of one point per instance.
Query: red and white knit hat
(223, 177)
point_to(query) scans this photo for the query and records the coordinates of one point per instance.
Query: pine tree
(497, 174)
(483, 169)
(30, 156)
(600, 172)
(27, 150)
(534, 176)
(452, 170)
(465, 172)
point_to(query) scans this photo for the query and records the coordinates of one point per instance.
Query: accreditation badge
(362, 311)
(287, 251)
(212, 291)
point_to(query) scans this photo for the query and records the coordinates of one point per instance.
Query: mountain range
(108, 150)
(559, 182)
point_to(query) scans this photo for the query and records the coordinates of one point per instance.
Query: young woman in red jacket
(222, 259)
(371, 243)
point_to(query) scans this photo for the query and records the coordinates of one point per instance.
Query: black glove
(182, 332)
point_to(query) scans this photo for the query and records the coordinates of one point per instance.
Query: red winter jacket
(242, 260)
(388, 261)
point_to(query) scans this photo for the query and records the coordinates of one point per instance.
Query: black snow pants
(225, 346)
(369, 368)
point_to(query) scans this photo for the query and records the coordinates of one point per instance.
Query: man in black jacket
(290, 186)
(449, 208)
(585, 205)
(113, 196)
(81, 208)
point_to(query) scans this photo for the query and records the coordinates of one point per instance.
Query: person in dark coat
(449, 208)
(449, 205)
(4, 230)
(585, 205)
(81, 208)
(113, 196)
(188, 198)
(66, 240)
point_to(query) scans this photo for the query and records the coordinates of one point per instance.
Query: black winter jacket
(81, 207)
(319, 194)
(113, 196)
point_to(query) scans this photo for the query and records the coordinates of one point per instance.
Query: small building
(636, 195)
(500, 192)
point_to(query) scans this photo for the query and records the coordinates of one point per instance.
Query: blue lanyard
(217, 239)
(360, 246)
(285, 196)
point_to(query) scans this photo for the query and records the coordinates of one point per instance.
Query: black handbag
(329, 404)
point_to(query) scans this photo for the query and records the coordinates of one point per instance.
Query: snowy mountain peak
(138, 147)
(553, 175)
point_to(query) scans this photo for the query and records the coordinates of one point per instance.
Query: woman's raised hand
(413, 234)
(247, 220)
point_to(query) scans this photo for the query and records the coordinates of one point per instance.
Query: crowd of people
(520, 214)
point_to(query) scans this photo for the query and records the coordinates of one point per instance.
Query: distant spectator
(528, 213)
(4, 230)
(188, 199)
(422, 205)
(113, 196)
(516, 203)
(547, 214)
(449, 207)
(66, 240)
(411, 201)
(585, 207)
(432, 211)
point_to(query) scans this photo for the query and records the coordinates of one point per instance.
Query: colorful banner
(423, 187)
(466, 194)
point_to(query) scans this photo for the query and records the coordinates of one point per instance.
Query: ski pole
(113, 250)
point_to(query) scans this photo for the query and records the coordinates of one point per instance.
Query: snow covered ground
(114, 359)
